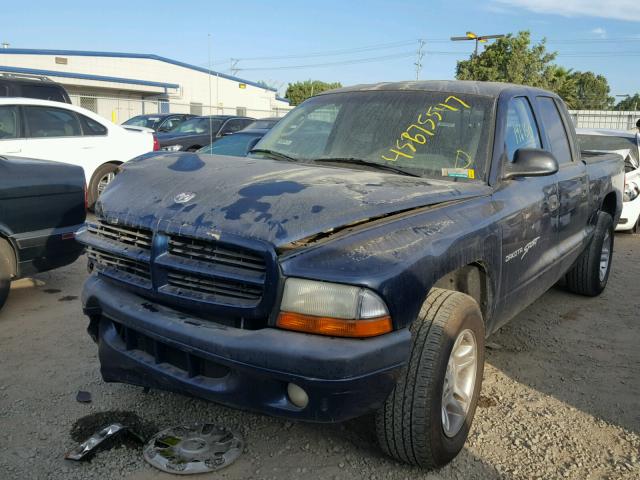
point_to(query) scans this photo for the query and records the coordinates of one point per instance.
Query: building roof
(148, 56)
(101, 78)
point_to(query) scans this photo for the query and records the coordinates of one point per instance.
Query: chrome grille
(213, 288)
(138, 237)
(118, 264)
(209, 252)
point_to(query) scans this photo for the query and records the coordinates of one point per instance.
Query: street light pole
(477, 39)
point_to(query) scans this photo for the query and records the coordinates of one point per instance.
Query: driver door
(530, 218)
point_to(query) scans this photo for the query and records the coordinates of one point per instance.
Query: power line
(332, 64)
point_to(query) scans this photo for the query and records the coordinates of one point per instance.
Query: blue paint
(187, 162)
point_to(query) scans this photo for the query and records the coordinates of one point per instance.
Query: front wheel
(102, 177)
(590, 273)
(426, 419)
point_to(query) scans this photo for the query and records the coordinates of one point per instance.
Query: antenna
(210, 105)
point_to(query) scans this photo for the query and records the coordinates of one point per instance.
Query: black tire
(195, 148)
(6, 257)
(584, 277)
(100, 172)
(409, 426)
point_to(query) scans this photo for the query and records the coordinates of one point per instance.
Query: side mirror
(531, 162)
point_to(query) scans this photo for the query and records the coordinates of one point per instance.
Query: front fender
(401, 259)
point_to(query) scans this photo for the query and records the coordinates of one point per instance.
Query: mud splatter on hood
(274, 201)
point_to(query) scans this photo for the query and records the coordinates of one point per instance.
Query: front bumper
(629, 216)
(146, 344)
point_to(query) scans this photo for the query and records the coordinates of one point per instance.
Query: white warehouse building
(121, 85)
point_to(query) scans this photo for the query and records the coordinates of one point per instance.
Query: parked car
(65, 133)
(42, 205)
(31, 86)
(198, 132)
(356, 267)
(628, 143)
(161, 122)
(240, 144)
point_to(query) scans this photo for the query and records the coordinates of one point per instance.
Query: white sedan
(628, 145)
(65, 133)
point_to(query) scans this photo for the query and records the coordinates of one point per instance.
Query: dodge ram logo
(183, 197)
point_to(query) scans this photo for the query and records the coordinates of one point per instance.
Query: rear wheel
(590, 273)
(102, 177)
(426, 419)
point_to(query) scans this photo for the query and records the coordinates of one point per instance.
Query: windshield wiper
(274, 154)
(359, 161)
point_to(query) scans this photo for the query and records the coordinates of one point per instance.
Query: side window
(521, 131)
(91, 128)
(555, 129)
(8, 122)
(51, 122)
(234, 125)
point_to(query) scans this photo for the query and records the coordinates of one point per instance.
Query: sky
(346, 41)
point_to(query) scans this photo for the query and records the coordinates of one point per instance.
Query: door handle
(17, 150)
(88, 147)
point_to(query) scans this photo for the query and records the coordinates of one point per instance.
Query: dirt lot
(560, 396)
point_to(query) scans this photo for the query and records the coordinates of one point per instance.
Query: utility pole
(419, 56)
(477, 39)
(234, 66)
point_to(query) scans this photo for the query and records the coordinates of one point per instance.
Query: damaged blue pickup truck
(356, 261)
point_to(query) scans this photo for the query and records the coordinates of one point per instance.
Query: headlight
(172, 148)
(631, 192)
(332, 309)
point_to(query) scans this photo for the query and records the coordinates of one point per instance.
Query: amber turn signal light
(335, 327)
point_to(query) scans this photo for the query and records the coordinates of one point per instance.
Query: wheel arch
(610, 204)
(474, 280)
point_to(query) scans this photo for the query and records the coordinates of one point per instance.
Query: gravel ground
(560, 397)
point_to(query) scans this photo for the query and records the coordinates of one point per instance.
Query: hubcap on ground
(459, 382)
(104, 181)
(605, 256)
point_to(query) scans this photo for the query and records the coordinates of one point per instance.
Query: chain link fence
(625, 120)
(119, 110)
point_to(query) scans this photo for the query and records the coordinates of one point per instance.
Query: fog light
(297, 395)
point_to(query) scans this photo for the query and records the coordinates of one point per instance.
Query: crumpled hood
(274, 201)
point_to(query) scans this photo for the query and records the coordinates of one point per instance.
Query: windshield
(143, 121)
(237, 145)
(198, 126)
(607, 143)
(431, 134)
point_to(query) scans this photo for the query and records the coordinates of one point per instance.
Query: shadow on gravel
(583, 351)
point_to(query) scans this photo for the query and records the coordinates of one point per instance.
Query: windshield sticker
(522, 251)
(426, 124)
(459, 172)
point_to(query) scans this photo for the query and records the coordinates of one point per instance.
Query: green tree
(298, 92)
(513, 59)
(592, 91)
(510, 59)
(629, 103)
(563, 82)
